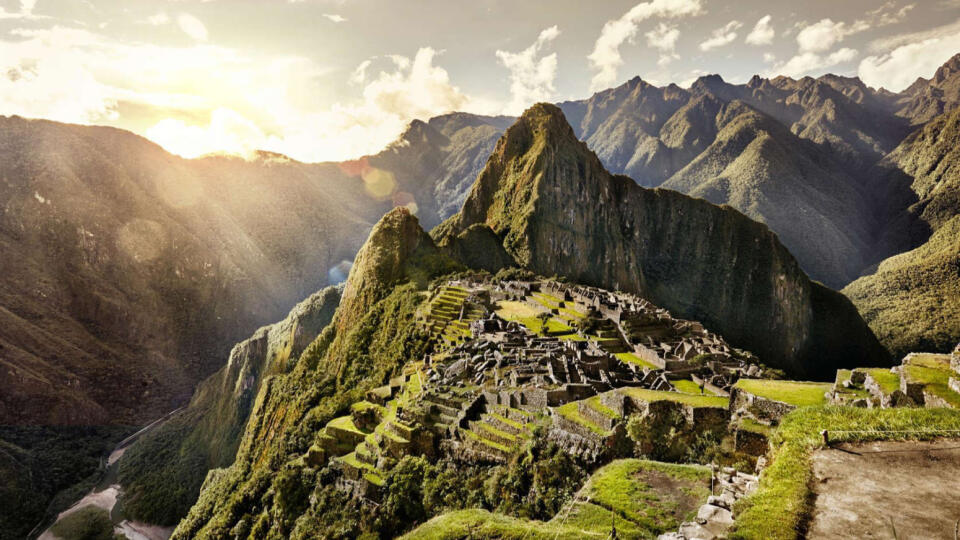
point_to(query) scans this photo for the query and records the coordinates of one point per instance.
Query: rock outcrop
(559, 212)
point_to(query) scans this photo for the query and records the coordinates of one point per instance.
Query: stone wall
(762, 408)
(749, 442)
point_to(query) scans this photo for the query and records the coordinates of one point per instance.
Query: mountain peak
(950, 67)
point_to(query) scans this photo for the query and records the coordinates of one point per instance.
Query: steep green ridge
(912, 299)
(559, 212)
(162, 472)
(372, 335)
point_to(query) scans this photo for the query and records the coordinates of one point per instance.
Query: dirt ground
(889, 490)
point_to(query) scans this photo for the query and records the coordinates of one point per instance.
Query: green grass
(622, 492)
(889, 382)
(570, 412)
(631, 358)
(595, 404)
(776, 511)
(936, 380)
(687, 399)
(483, 440)
(687, 386)
(798, 393)
(345, 423)
(751, 425)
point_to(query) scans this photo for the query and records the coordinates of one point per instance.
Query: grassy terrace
(694, 400)
(934, 372)
(631, 358)
(643, 498)
(479, 437)
(800, 394)
(345, 423)
(889, 382)
(571, 412)
(780, 506)
(843, 375)
(689, 387)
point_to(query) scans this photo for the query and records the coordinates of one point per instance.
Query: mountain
(912, 299)
(162, 472)
(926, 99)
(759, 167)
(129, 268)
(373, 334)
(434, 162)
(558, 211)
(129, 273)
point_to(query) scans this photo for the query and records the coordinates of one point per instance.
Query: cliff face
(557, 211)
(162, 472)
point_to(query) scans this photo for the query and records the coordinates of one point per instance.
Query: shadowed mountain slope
(557, 211)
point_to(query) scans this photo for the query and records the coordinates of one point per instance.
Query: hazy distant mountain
(557, 211)
(926, 99)
(129, 272)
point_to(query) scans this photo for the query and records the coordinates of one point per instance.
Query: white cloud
(389, 102)
(359, 75)
(762, 33)
(664, 38)
(805, 63)
(335, 17)
(722, 36)
(605, 58)
(902, 66)
(823, 35)
(192, 26)
(769, 57)
(230, 100)
(26, 6)
(532, 76)
(158, 19)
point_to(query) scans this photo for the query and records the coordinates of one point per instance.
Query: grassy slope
(776, 511)
(912, 301)
(620, 493)
(797, 393)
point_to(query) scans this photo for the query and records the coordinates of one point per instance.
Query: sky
(328, 80)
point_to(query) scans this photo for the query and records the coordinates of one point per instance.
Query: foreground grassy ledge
(779, 508)
(643, 498)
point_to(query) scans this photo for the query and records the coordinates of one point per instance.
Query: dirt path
(868, 490)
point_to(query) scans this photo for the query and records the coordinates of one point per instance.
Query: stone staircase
(498, 433)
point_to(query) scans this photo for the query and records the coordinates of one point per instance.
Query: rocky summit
(558, 211)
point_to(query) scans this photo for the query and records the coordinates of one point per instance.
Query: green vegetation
(688, 387)
(87, 523)
(800, 394)
(686, 399)
(933, 371)
(888, 381)
(631, 358)
(571, 412)
(43, 470)
(776, 511)
(631, 493)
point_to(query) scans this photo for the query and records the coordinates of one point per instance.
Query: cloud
(158, 19)
(722, 36)
(664, 38)
(532, 76)
(824, 34)
(762, 33)
(416, 88)
(769, 57)
(605, 58)
(804, 63)
(359, 75)
(335, 17)
(192, 26)
(900, 67)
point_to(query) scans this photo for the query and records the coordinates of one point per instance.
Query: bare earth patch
(867, 490)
